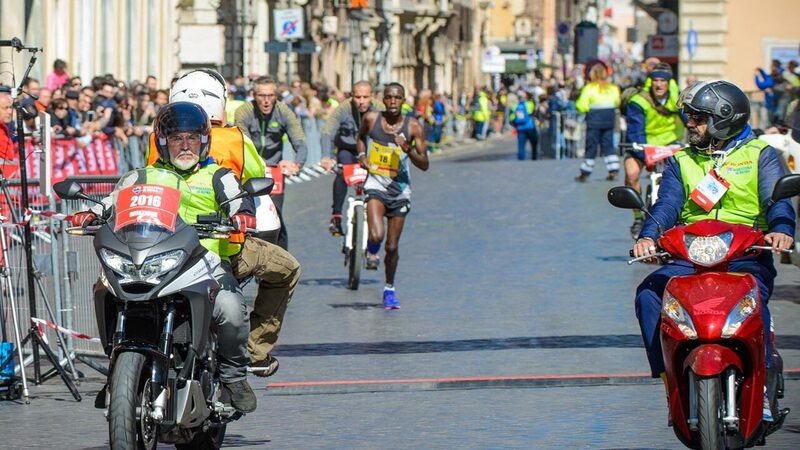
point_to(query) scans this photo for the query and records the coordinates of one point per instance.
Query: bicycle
(655, 162)
(354, 245)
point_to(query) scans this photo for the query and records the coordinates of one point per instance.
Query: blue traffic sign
(691, 42)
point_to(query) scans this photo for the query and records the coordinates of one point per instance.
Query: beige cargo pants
(277, 273)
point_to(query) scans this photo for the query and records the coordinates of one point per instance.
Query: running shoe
(373, 261)
(390, 299)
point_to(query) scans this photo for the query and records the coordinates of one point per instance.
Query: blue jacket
(523, 116)
(671, 196)
(766, 82)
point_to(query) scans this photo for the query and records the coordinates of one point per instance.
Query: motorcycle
(712, 336)
(153, 305)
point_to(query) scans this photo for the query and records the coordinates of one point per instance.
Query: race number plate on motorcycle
(354, 174)
(148, 203)
(276, 173)
(384, 160)
(711, 188)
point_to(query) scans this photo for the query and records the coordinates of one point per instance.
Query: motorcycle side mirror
(72, 190)
(68, 190)
(625, 197)
(786, 187)
(256, 187)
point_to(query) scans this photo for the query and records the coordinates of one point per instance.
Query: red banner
(69, 158)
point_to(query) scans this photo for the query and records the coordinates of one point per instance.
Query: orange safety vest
(227, 149)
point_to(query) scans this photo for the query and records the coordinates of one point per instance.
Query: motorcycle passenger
(388, 142)
(340, 131)
(721, 145)
(267, 122)
(183, 137)
(599, 100)
(652, 117)
(275, 269)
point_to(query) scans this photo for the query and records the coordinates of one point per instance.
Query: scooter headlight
(119, 263)
(708, 250)
(675, 312)
(158, 264)
(743, 309)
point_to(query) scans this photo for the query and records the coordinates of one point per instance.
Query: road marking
(521, 381)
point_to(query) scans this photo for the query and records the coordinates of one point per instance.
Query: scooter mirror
(787, 186)
(68, 190)
(257, 187)
(625, 197)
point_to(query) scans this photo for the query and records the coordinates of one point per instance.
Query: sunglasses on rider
(698, 118)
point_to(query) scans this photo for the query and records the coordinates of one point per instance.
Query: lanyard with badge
(712, 187)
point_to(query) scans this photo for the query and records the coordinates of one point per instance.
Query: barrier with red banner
(69, 158)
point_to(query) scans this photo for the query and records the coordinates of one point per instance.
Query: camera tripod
(33, 276)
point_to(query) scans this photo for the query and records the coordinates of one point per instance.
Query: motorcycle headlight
(119, 264)
(158, 264)
(675, 312)
(743, 309)
(708, 250)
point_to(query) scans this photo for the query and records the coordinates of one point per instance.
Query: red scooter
(712, 335)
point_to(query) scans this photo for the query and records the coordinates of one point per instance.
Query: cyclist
(275, 269)
(387, 142)
(267, 121)
(652, 117)
(340, 130)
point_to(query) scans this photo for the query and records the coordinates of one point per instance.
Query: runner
(387, 141)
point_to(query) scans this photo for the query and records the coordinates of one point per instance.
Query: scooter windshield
(147, 201)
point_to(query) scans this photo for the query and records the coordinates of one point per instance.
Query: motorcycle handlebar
(659, 255)
(767, 248)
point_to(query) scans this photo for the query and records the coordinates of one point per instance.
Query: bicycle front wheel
(356, 256)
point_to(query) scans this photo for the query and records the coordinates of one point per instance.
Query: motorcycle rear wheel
(356, 257)
(710, 432)
(129, 390)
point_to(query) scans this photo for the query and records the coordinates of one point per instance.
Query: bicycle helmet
(204, 87)
(181, 116)
(727, 107)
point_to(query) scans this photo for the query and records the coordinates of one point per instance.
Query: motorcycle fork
(729, 418)
(161, 367)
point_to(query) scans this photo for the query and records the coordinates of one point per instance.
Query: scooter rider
(183, 137)
(276, 270)
(340, 131)
(266, 121)
(722, 151)
(652, 117)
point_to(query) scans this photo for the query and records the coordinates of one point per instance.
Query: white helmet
(204, 87)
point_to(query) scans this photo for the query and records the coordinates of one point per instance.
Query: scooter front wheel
(710, 432)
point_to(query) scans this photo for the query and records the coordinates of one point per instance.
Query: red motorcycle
(712, 335)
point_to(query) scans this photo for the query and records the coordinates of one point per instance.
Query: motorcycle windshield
(147, 203)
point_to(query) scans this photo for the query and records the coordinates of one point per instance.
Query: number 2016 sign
(147, 203)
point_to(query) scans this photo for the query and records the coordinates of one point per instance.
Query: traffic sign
(691, 42)
(289, 24)
(301, 47)
(493, 61)
(564, 37)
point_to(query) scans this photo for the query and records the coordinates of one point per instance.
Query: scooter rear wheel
(711, 432)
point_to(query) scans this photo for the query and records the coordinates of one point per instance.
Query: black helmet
(727, 106)
(181, 116)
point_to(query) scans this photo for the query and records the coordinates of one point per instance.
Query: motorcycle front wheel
(710, 430)
(129, 423)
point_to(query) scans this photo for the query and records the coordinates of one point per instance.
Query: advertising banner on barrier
(69, 158)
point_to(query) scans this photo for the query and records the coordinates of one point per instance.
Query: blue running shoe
(390, 299)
